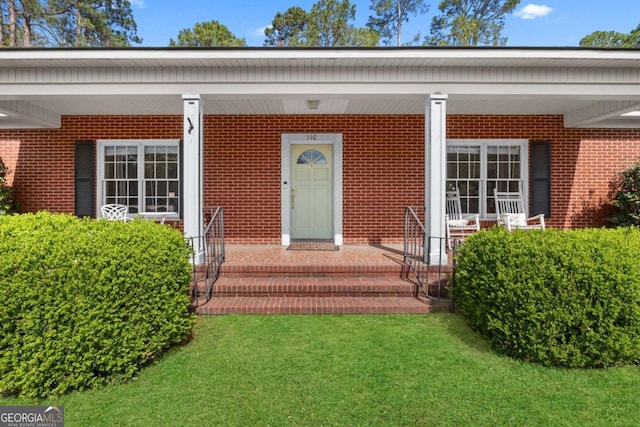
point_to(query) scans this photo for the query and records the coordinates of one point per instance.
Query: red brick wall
(242, 172)
(383, 165)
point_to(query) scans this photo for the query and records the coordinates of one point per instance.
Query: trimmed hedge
(85, 302)
(558, 298)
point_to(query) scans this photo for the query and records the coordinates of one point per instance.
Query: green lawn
(352, 371)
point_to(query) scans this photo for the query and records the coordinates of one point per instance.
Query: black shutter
(84, 178)
(540, 196)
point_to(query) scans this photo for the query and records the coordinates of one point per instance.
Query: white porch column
(435, 176)
(192, 172)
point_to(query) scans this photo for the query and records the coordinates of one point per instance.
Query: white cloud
(533, 11)
(139, 4)
(259, 32)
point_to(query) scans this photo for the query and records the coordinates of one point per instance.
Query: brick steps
(313, 295)
(341, 282)
(313, 287)
(315, 305)
(271, 270)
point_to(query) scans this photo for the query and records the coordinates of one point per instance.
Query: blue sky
(539, 23)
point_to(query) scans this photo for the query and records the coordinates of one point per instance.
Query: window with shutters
(143, 175)
(476, 167)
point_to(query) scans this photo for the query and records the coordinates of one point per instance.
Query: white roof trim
(321, 53)
(590, 87)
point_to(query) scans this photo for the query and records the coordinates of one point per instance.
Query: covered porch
(231, 118)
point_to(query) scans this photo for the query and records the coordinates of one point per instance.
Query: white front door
(312, 191)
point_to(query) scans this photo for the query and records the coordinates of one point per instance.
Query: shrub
(625, 190)
(559, 298)
(86, 302)
(7, 203)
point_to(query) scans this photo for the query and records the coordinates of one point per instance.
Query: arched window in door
(311, 157)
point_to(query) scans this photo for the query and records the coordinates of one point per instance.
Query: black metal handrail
(212, 254)
(432, 279)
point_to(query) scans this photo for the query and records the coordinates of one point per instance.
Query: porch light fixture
(313, 104)
(635, 113)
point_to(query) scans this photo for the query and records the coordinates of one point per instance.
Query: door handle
(293, 198)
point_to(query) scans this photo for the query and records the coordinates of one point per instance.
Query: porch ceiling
(590, 88)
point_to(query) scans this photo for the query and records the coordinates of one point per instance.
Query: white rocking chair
(511, 212)
(115, 212)
(458, 225)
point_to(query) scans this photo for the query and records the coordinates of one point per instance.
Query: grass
(351, 371)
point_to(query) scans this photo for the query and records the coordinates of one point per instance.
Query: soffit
(281, 81)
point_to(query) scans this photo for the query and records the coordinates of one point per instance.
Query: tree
(470, 23)
(287, 28)
(209, 34)
(328, 24)
(101, 23)
(625, 194)
(390, 15)
(362, 37)
(67, 23)
(612, 39)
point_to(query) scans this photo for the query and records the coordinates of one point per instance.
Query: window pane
(311, 157)
(503, 170)
(172, 170)
(121, 154)
(162, 188)
(452, 170)
(132, 171)
(172, 154)
(149, 154)
(173, 188)
(149, 171)
(161, 170)
(110, 188)
(464, 170)
(121, 181)
(109, 154)
(109, 171)
(161, 155)
(133, 188)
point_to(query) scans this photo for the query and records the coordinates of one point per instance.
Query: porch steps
(320, 284)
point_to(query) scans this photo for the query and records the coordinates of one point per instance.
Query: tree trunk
(399, 15)
(13, 17)
(27, 35)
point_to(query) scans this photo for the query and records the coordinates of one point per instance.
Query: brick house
(318, 143)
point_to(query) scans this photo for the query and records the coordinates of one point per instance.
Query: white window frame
(484, 144)
(140, 144)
